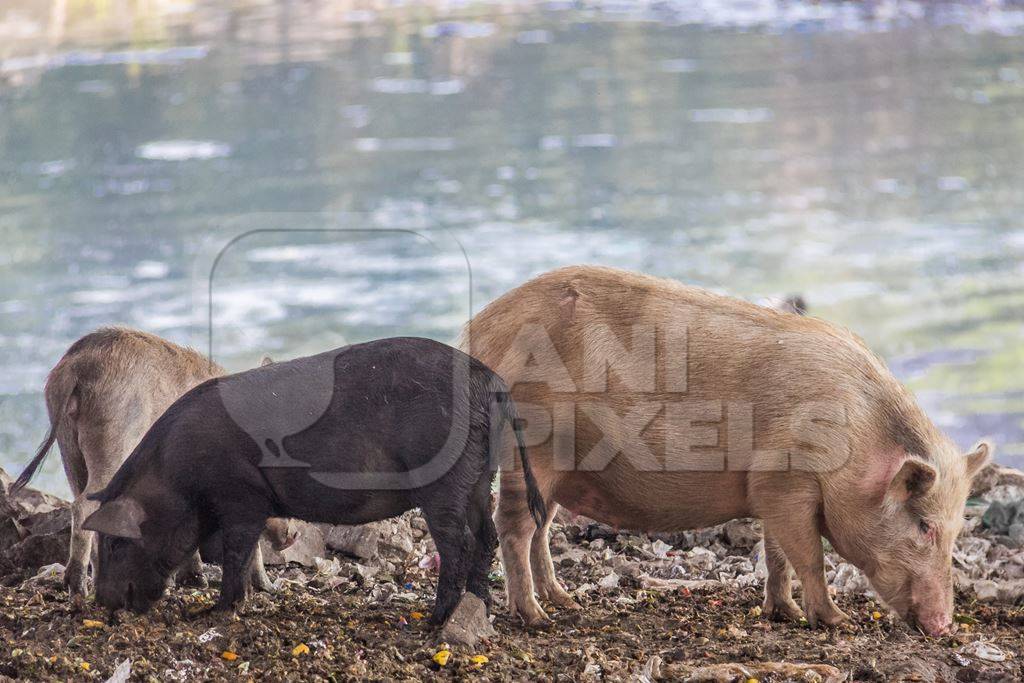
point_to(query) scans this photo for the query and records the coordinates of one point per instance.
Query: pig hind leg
(446, 519)
(516, 530)
(76, 574)
(84, 452)
(799, 536)
(543, 568)
(778, 589)
(485, 538)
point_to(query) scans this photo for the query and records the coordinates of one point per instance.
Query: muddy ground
(356, 630)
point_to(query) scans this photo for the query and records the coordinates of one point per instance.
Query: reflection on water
(868, 156)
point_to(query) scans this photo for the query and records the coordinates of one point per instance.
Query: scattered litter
(122, 672)
(431, 561)
(209, 635)
(960, 660)
(660, 549)
(983, 650)
(326, 568)
(51, 573)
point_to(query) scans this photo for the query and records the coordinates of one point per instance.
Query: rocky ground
(352, 603)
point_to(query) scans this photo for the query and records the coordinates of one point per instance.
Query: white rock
(986, 590)
(468, 623)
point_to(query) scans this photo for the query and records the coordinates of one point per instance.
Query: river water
(358, 170)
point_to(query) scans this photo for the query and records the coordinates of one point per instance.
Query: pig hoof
(839, 617)
(563, 601)
(77, 602)
(229, 611)
(78, 589)
(783, 610)
(76, 584)
(533, 615)
(830, 616)
(263, 584)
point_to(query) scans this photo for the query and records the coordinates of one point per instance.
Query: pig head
(898, 520)
(134, 568)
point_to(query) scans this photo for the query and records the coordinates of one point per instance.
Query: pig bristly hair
(149, 448)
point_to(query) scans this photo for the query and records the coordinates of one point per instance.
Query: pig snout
(931, 607)
(934, 623)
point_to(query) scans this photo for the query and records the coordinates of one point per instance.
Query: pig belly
(654, 501)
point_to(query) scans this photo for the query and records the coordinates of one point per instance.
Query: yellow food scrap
(442, 657)
(228, 655)
(416, 615)
(876, 615)
(755, 612)
(92, 623)
(478, 660)
(300, 649)
(86, 665)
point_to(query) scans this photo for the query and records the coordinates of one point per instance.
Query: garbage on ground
(654, 607)
(122, 672)
(983, 650)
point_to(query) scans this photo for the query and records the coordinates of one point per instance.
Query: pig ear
(979, 456)
(914, 479)
(265, 361)
(121, 517)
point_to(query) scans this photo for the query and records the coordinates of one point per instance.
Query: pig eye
(925, 527)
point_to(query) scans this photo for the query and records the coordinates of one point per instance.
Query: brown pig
(655, 406)
(102, 397)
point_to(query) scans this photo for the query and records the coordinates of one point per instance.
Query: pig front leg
(778, 589)
(239, 545)
(797, 533)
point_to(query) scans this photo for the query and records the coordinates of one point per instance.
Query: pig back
(678, 379)
(123, 380)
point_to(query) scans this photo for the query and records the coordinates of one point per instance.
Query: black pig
(350, 436)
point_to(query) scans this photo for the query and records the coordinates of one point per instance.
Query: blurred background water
(866, 154)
